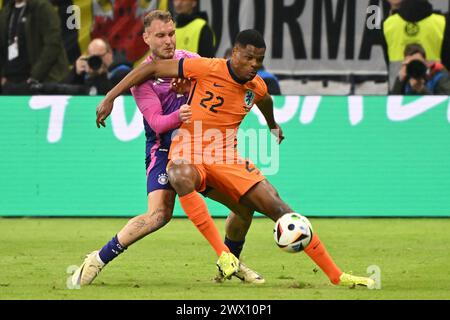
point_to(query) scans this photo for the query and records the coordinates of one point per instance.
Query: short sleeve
(260, 88)
(194, 68)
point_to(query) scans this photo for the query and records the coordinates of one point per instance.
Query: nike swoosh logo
(217, 85)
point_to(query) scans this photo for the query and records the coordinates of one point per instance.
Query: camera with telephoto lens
(416, 69)
(94, 62)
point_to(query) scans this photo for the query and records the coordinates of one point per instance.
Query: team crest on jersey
(163, 178)
(248, 99)
(412, 29)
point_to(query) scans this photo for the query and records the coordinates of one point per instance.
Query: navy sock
(234, 246)
(111, 250)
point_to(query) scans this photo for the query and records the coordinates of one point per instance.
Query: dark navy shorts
(157, 178)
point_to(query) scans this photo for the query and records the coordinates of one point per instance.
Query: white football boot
(88, 271)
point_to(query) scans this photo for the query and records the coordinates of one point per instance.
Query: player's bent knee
(182, 184)
(181, 177)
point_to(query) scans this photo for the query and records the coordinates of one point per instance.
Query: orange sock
(195, 208)
(317, 252)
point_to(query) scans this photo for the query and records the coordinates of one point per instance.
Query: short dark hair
(250, 37)
(157, 15)
(414, 48)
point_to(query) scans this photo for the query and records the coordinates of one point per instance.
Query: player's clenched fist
(181, 86)
(185, 113)
(104, 109)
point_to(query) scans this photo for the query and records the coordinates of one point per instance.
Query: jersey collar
(233, 75)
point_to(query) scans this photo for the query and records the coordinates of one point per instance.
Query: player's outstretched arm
(160, 68)
(266, 107)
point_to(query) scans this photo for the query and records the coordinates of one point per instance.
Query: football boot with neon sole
(227, 264)
(245, 274)
(349, 280)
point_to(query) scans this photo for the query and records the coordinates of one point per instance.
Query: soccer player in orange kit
(223, 93)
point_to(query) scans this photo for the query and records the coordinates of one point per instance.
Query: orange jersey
(219, 103)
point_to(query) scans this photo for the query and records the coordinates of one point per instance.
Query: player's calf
(143, 225)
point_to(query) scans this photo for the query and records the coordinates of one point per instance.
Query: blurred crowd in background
(41, 54)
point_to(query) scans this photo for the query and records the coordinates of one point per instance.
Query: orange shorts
(230, 179)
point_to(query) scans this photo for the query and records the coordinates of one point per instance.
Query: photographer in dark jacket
(419, 77)
(31, 47)
(100, 70)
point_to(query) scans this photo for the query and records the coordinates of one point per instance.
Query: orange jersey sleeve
(194, 68)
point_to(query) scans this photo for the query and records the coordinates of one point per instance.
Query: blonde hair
(157, 15)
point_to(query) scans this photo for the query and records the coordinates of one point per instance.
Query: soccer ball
(292, 232)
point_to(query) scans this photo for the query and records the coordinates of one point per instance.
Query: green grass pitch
(177, 263)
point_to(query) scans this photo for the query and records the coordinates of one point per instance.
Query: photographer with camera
(100, 70)
(413, 21)
(419, 77)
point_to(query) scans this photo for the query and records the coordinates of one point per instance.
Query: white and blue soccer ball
(292, 232)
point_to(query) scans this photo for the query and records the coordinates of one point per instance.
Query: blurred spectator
(101, 69)
(270, 79)
(395, 5)
(445, 55)
(31, 48)
(413, 22)
(417, 76)
(192, 30)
